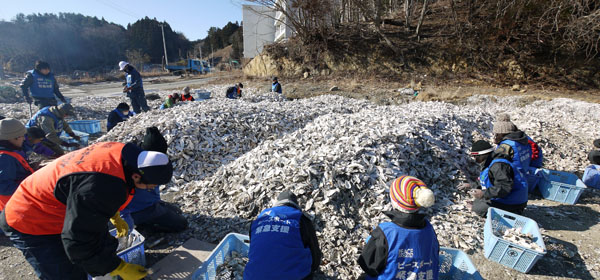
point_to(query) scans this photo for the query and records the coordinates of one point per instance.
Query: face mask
(125, 113)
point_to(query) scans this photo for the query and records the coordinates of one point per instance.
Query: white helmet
(122, 65)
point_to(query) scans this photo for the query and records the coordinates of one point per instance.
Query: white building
(259, 28)
(282, 26)
(262, 26)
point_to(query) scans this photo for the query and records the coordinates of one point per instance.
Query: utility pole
(162, 27)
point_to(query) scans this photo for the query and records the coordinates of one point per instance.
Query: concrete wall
(259, 29)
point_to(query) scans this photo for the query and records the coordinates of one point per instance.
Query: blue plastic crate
(232, 242)
(533, 178)
(134, 254)
(507, 253)
(561, 186)
(83, 142)
(456, 265)
(201, 95)
(87, 126)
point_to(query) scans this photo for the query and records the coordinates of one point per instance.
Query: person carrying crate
(283, 243)
(58, 217)
(502, 184)
(43, 86)
(120, 114)
(14, 167)
(52, 121)
(394, 247)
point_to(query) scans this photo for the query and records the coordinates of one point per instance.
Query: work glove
(129, 271)
(125, 89)
(28, 99)
(120, 224)
(464, 187)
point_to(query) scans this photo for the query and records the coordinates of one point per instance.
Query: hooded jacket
(47, 123)
(501, 176)
(504, 148)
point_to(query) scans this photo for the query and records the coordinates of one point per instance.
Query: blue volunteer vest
(276, 247)
(123, 118)
(518, 195)
(274, 88)
(522, 155)
(538, 162)
(43, 86)
(412, 253)
(58, 123)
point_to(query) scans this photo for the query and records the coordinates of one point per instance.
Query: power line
(117, 8)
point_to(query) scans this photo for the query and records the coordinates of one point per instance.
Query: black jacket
(501, 176)
(91, 199)
(28, 81)
(373, 258)
(506, 150)
(309, 239)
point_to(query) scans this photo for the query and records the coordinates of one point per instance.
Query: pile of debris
(516, 236)
(9, 94)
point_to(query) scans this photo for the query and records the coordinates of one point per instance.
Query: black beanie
(594, 157)
(481, 147)
(287, 198)
(35, 133)
(123, 107)
(597, 143)
(154, 141)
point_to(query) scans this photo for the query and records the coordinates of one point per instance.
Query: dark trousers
(44, 102)
(480, 207)
(161, 216)
(138, 99)
(46, 254)
(57, 149)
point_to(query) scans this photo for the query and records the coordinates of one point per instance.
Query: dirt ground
(570, 231)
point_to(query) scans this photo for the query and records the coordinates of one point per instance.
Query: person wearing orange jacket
(14, 167)
(58, 217)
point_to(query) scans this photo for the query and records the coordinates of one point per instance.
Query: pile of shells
(233, 267)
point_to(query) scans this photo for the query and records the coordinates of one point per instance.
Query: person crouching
(407, 246)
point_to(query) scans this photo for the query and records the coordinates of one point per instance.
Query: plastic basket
(456, 265)
(87, 126)
(83, 142)
(561, 186)
(507, 253)
(232, 242)
(134, 254)
(201, 95)
(533, 178)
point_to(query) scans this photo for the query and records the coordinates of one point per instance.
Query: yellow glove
(129, 271)
(120, 224)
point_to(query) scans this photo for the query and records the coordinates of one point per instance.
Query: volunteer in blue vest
(591, 175)
(120, 114)
(276, 86)
(43, 86)
(134, 87)
(502, 184)
(14, 167)
(283, 243)
(406, 247)
(234, 92)
(52, 121)
(146, 209)
(512, 143)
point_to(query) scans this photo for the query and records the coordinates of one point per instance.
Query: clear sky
(191, 17)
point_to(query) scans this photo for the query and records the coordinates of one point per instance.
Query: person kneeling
(503, 185)
(394, 247)
(283, 243)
